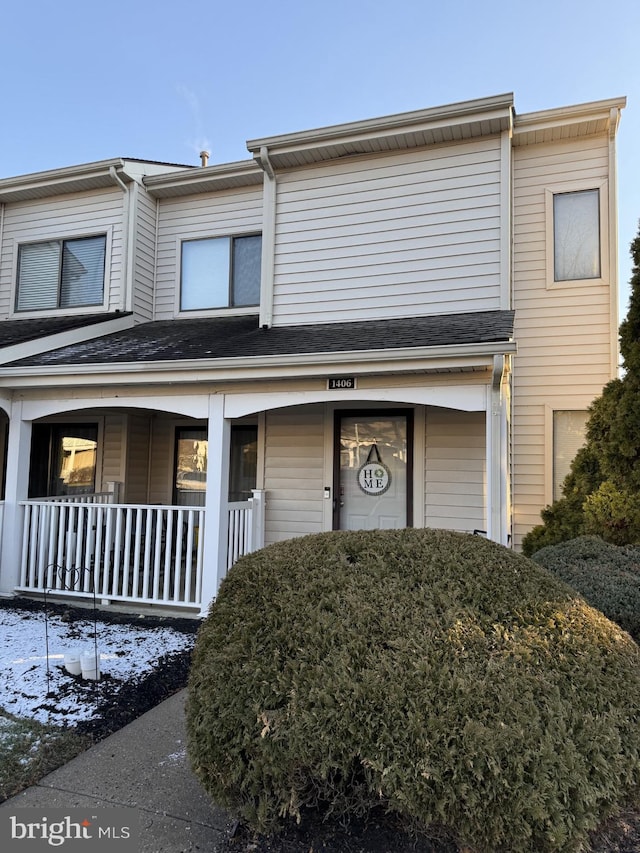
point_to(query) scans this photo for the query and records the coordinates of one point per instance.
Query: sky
(151, 79)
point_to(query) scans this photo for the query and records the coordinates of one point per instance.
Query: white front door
(373, 470)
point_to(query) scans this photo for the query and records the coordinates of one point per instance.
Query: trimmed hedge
(608, 576)
(442, 676)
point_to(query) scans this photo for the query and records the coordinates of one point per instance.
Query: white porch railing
(126, 552)
(134, 553)
(246, 526)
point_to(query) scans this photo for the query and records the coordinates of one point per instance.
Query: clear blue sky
(160, 80)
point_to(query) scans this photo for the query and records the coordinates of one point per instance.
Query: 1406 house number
(341, 383)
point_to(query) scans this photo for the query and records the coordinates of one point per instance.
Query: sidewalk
(142, 766)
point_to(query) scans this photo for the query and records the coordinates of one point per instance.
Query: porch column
(217, 495)
(497, 509)
(17, 487)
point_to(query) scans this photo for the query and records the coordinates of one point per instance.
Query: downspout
(614, 119)
(269, 194)
(497, 449)
(126, 298)
(506, 224)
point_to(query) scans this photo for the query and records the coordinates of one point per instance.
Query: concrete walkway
(142, 766)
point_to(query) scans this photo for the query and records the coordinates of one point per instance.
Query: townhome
(387, 323)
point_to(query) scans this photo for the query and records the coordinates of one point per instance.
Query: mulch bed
(383, 834)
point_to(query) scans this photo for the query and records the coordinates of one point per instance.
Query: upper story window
(576, 235)
(61, 274)
(220, 272)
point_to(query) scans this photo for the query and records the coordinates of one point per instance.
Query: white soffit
(564, 123)
(438, 125)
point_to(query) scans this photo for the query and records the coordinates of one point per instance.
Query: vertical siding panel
(137, 487)
(145, 256)
(294, 465)
(113, 453)
(455, 471)
(162, 452)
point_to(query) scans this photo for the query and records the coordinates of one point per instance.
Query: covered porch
(140, 539)
(159, 523)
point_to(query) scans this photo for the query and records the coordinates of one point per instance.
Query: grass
(29, 750)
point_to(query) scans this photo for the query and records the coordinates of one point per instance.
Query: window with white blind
(569, 432)
(220, 272)
(61, 274)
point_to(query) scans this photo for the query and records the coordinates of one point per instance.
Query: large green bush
(606, 575)
(440, 675)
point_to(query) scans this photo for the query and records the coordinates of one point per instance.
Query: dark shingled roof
(14, 332)
(235, 337)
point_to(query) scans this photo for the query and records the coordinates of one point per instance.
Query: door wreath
(374, 477)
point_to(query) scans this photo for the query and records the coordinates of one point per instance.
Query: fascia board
(259, 368)
(526, 122)
(203, 179)
(432, 117)
(64, 339)
(60, 181)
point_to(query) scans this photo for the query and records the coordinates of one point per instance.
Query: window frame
(96, 307)
(550, 192)
(59, 423)
(219, 310)
(570, 405)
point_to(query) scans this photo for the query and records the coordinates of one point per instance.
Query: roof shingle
(242, 337)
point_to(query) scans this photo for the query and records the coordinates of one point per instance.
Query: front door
(373, 474)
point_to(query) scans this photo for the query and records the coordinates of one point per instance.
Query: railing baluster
(178, 561)
(126, 565)
(157, 553)
(188, 563)
(168, 554)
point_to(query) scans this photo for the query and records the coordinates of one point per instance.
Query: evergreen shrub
(438, 675)
(607, 576)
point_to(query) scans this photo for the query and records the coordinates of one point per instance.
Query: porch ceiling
(228, 338)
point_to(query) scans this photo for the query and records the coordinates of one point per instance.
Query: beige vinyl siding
(162, 459)
(217, 215)
(113, 449)
(293, 477)
(455, 474)
(125, 455)
(562, 329)
(76, 215)
(138, 436)
(145, 254)
(392, 236)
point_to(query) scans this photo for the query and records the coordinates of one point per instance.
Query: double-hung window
(569, 435)
(220, 272)
(576, 235)
(61, 274)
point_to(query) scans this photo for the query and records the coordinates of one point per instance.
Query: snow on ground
(49, 694)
